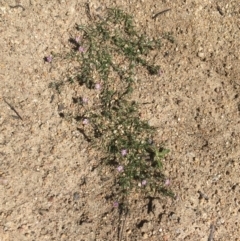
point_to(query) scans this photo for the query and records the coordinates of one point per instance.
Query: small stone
(201, 55)
(146, 227)
(3, 181)
(63, 235)
(145, 236)
(76, 196)
(70, 11)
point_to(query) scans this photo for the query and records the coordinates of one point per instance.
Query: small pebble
(201, 55)
(145, 236)
(76, 196)
(3, 181)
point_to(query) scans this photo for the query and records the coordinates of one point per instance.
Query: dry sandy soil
(49, 186)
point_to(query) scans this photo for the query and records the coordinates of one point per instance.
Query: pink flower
(81, 49)
(97, 86)
(120, 168)
(49, 59)
(144, 182)
(124, 152)
(85, 121)
(115, 204)
(160, 73)
(84, 100)
(77, 39)
(167, 182)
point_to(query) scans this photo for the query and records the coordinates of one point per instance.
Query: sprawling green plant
(109, 53)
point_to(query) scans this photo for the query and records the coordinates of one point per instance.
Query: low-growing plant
(109, 53)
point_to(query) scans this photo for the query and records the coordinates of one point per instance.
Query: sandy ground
(49, 186)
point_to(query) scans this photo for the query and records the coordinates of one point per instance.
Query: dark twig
(121, 230)
(13, 109)
(88, 12)
(212, 229)
(18, 6)
(157, 14)
(202, 195)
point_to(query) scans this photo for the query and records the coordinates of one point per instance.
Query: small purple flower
(167, 182)
(160, 73)
(97, 86)
(115, 204)
(144, 182)
(48, 59)
(120, 168)
(84, 100)
(77, 39)
(81, 49)
(124, 152)
(85, 121)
